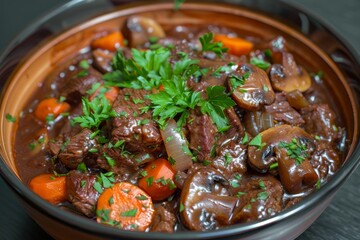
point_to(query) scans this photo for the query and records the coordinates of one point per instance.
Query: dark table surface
(341, 220)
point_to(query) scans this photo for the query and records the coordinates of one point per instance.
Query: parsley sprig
(208, 44)
(94, 112)
(144, 71)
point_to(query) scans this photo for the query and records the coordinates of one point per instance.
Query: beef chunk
(140, 132)
(118, 161)
(260, 197)
(325, 161)
(163, 221)
(320, 120)
(76, 149)
(78, 83)
(283, 112)
(81, 192)
(231, 153)
(201, 134)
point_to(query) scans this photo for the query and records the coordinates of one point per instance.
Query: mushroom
(251, 88)
(295, 177)
(287, 76)
(207, 204)
(102, 60)
(262, 153)
(296, 99)
(138, 30)
(289, 147)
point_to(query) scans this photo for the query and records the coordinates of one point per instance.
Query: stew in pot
(197, 127)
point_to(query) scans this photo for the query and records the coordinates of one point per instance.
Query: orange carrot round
(126, 206)
(50, 106)
(110, 94)
(236, 46)
(49, 187)
(109, 42)
(158, 180)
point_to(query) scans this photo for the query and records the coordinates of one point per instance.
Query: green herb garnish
(260, 63)
(295, 150)
(257, 141)
(130, 213)
(208, 45)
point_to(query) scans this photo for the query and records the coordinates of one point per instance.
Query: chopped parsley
(109, 160)
(245, 139)
(181, 208)
(83, 183)
(172, 161)
(141, 197)
(238, 81)
(262, 185)
(224, 69)
(143, 173)
(228, 159)
(262, 195)
(260, 63)
(273, 166)
(104, 180)
(82, 167)
(239, 194)
(129, 213)
(111, 200)
(149, 181)
(84, 64)
(178, 3)
(208, 45)
(234, 183)
(318, 184)
(295, 150)
(10, 118)
(257, 141)
(49, 119)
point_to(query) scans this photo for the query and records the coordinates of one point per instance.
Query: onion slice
(176, 146)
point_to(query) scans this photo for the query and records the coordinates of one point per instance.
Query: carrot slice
(126, 206)
(159, 179)
(110, 93)
(109, 42)
(49, 187)
(50, 106)
(236, 46)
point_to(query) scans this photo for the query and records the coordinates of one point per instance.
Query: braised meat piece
(81, 192)
(259, 197)
(283, 113)
(140, 132)
(78, 83)
(320, 120)
(163, 220)
(76, 149)
(201, 134)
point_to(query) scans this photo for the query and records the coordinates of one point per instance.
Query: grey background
(341, 220)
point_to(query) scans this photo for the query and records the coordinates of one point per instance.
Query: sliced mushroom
(297, 100)
(291, 148)
(258, 121)
(295, 177)
(287, 76)
(261, 157)
(206, 202)
(102, 60)
(138, 30)
(251, 88)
